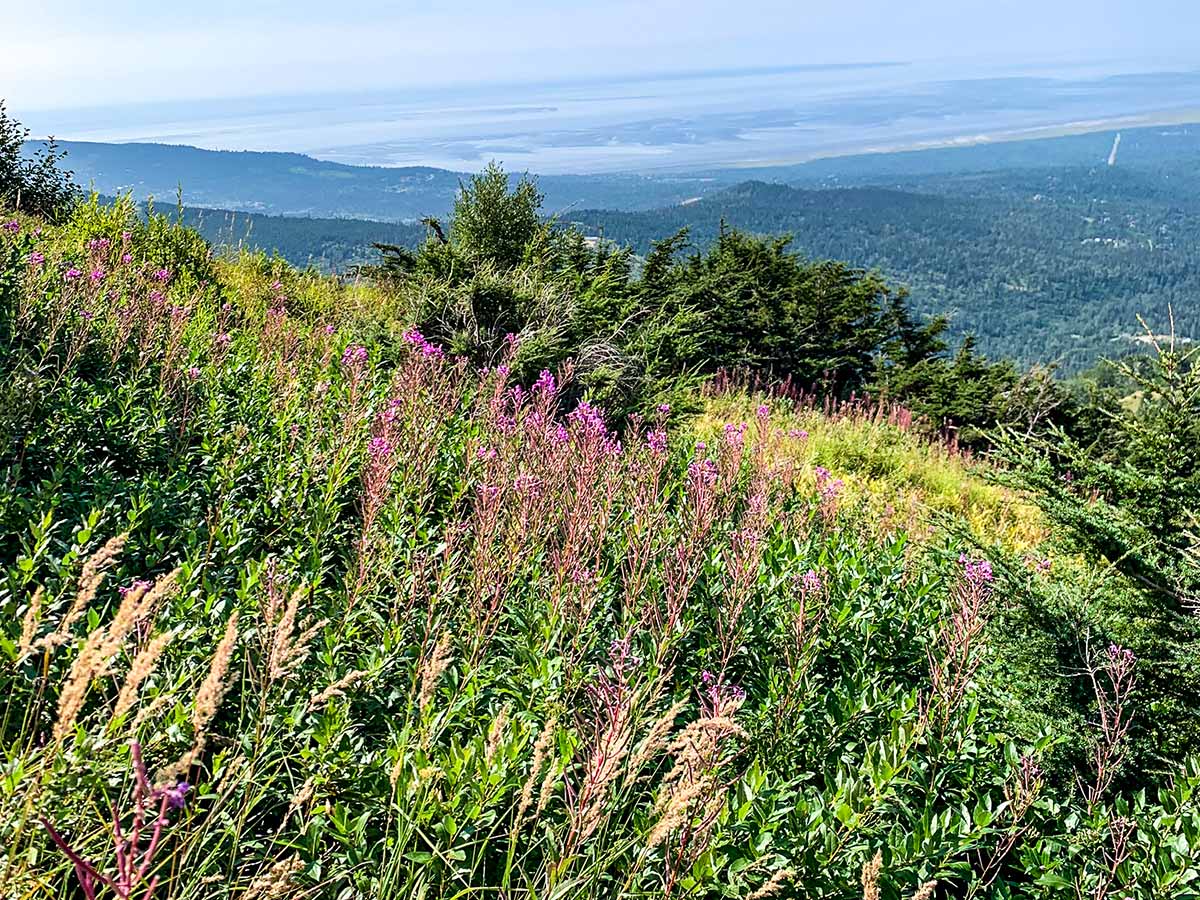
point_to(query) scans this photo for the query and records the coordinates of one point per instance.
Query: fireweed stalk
(954, 657)
(134, 864)
(1112, 679)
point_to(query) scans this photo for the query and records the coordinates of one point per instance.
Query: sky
(79, 53)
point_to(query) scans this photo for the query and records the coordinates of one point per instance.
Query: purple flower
(330, 329)
(162, 275)
(354, 356)
(139, 584)
(126, 258)
(125, 236)
(99, 245)
(703, 472)
(97, 275)
(664, 408)
(193, 373)
(588, 418)
(545, 383)
(177, 795)
(810, 582)
(656, 440)
(418, 341)
(561, 435)
(764, 411)
(798, 434)
(72, 274)
(735, 435)
(11, 227)
(36, 258)
(977, 572)
(223, 339)
(157, 298)
(379, 448)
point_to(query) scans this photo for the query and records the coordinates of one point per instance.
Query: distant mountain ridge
(297, 185)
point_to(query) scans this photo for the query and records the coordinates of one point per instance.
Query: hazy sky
(59, 53)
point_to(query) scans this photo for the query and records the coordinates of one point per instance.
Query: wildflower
(330, 329)
(811, 582)
(798, 434)
(379, 448)
(223, 340)
(162, 276)
(72, 274)
(193, 372)
(664, 409)
(125, 237)
(977, 572)
(11, 227)
(561, 435)
(703, 473)
(126, 258)
(414, 338)
(657, 441)
(354, 356)
(588, 418)
(545, 383)
(175, 795)
(36, 258)
(98, 245)
(763, 411)
(157, 298)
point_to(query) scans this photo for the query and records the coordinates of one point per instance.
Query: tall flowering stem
(693, 793)
(954, 658)
(1112, 678)
(133, 862)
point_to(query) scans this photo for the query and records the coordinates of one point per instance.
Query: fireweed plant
(298, 609)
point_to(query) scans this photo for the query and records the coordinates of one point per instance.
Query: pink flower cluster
(415, 339)
(976, 572)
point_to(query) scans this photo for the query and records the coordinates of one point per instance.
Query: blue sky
(62, 53)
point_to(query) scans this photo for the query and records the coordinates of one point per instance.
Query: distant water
(685, 121)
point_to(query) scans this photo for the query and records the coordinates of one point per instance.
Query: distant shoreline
(1035, 133)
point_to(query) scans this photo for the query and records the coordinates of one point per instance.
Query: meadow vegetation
(437, 584)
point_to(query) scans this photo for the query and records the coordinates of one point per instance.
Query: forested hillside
(1044, 265)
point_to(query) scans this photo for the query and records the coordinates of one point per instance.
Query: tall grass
(297, 604)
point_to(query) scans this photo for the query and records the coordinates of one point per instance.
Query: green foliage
(425, 633)
(492, 223)
(37, 185)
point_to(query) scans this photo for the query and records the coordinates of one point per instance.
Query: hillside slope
(1050, 265)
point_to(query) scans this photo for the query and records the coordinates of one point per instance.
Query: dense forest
(1043, 265)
